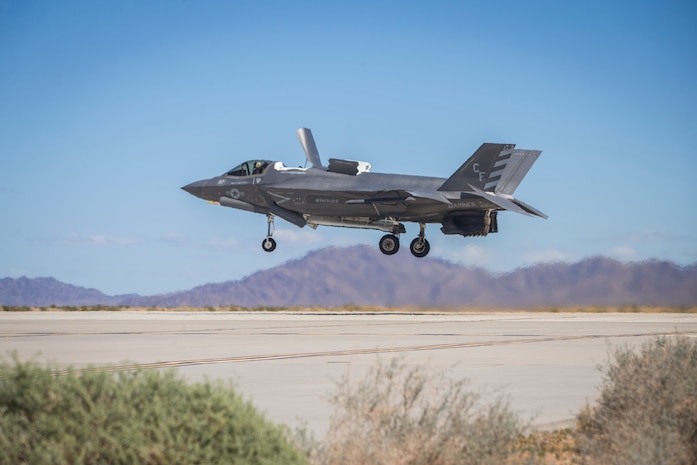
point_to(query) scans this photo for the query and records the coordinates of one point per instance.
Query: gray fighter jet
(345, 193)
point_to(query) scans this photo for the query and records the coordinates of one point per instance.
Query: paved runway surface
(288, 363)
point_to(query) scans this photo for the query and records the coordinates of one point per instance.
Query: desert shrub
(144, 416)
(555, 447)
(13, 308)
(399, 414)
(647, 411)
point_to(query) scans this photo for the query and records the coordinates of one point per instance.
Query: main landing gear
(419, 247)
(389, 244)
(269, 244)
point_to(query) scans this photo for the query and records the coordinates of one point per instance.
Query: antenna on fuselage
(308, 143)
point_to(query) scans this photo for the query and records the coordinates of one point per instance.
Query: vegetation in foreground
(143, 416)
(400, 414)
(647, 411)
(351, 309)
(396, 414)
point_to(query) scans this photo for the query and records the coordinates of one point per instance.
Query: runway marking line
(334, 353)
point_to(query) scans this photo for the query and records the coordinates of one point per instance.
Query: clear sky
(108, 107)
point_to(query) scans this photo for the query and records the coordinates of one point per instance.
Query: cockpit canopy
(249, 168)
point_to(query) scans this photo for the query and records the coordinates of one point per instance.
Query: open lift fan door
(349, 167)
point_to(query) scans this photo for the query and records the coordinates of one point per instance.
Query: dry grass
(356, 309)
(412, 415)
(402, 414)
(557, 447)
(647, 411)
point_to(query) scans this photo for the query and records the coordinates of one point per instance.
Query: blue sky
(108, 107)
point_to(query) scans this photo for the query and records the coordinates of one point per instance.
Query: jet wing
(429, 195)
(401, 196)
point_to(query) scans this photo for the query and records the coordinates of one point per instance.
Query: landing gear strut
(269, 244)
(420, 247)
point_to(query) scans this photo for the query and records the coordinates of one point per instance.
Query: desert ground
(288, 362)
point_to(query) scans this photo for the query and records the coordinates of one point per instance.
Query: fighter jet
(346, 193)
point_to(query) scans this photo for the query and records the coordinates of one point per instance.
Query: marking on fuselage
(467, 204)
(281, 198)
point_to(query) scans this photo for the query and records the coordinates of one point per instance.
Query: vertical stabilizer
(496, 168)
(515, 170)
(482, 170)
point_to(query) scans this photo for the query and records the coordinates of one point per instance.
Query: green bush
(400, 414)
(144, 417)
(647, 411)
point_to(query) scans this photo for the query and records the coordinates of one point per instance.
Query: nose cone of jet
(195, 188)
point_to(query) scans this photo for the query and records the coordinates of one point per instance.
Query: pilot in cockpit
(259, 167)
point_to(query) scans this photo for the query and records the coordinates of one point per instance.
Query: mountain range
(361, 275)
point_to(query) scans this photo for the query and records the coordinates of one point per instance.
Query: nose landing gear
(269, 244)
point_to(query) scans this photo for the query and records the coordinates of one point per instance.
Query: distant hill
(362, 275)
(44, 292)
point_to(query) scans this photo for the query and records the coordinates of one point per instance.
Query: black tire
(389, 244)
(419, 248)
(268, 244)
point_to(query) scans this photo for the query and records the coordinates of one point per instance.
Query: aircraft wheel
(419, 247)
(268, 244)
(389, 244)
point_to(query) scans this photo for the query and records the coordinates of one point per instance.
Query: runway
(288, 363)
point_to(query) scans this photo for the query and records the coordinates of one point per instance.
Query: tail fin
(495, 168)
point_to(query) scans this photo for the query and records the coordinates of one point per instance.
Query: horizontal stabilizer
(528, 208)
(509, 204)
